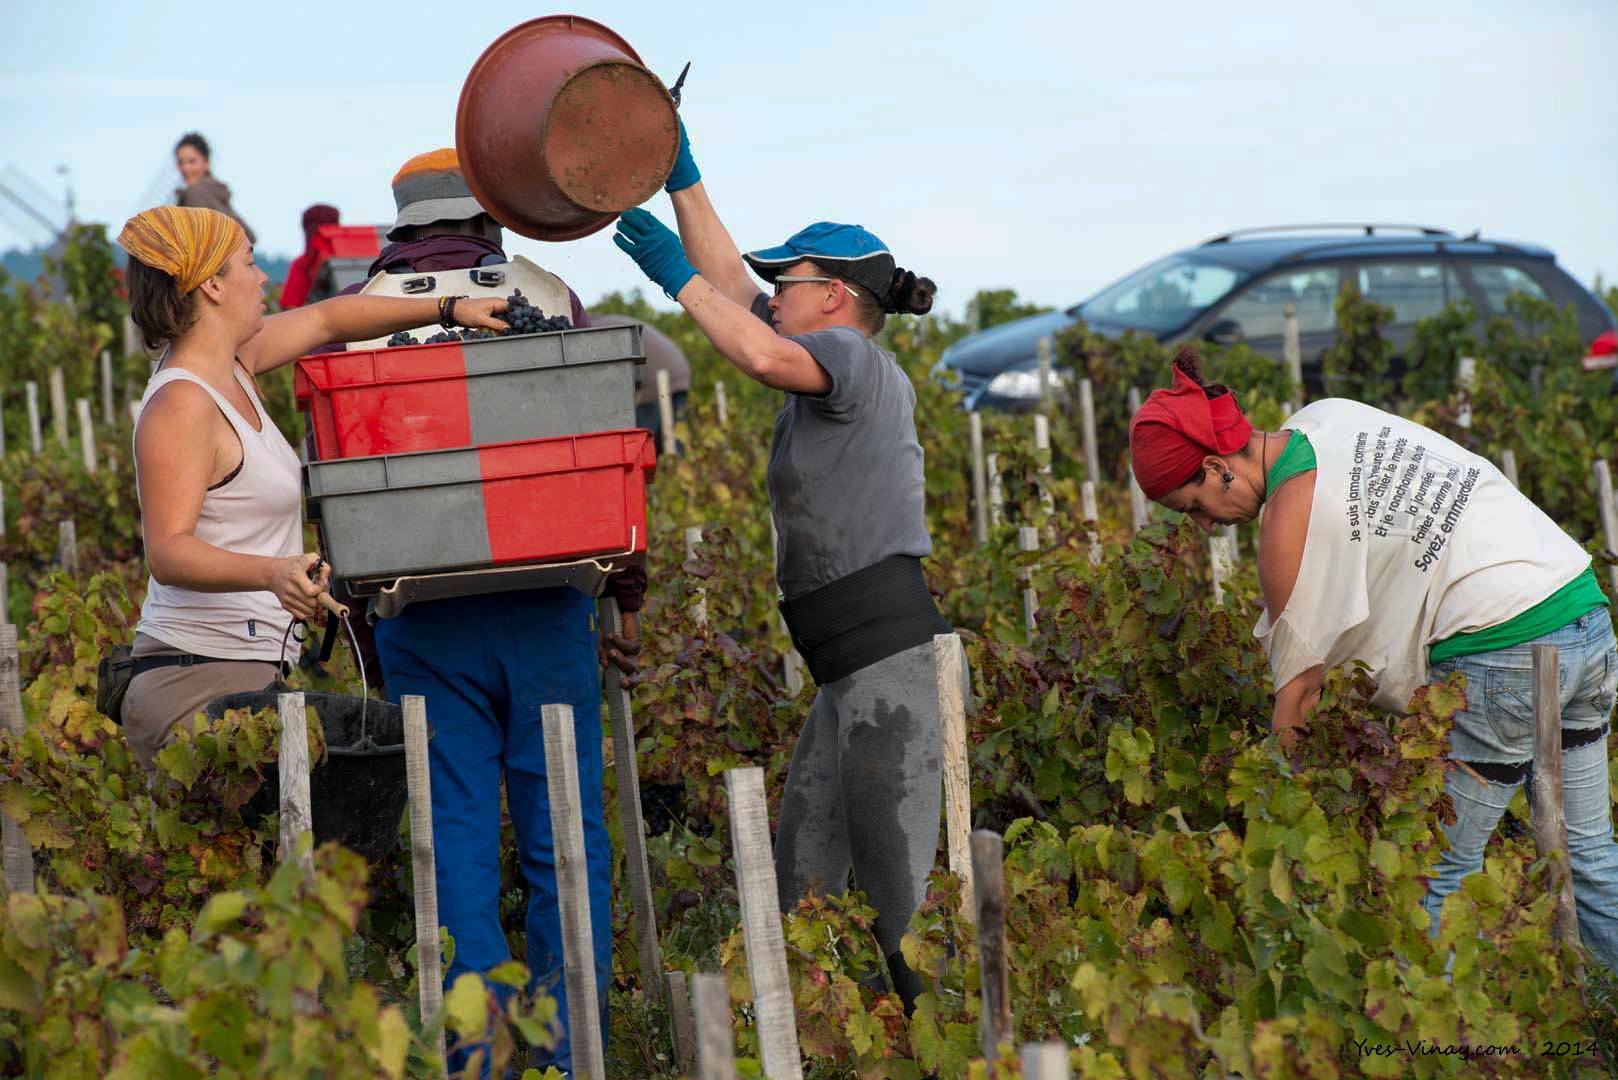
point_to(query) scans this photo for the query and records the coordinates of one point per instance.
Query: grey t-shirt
(846, 477)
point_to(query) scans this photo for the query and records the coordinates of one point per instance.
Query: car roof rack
(1368, 228)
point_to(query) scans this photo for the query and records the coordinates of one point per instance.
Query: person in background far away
(300, 275)
(201, 188)
(1385, 542)
(662, 354)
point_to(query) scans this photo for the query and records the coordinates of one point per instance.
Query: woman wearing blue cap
(846, 487)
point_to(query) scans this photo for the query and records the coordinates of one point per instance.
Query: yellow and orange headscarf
(188, 243)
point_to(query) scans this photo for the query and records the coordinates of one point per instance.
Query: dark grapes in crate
(520, 317)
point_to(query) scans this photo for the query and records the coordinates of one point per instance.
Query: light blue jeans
(1497, 728)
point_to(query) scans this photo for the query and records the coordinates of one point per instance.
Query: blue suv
(1233, 288)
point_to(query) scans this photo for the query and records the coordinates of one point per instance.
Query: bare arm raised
(291, 334)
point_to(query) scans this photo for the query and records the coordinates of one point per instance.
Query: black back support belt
(869, 615)
(1517, 772)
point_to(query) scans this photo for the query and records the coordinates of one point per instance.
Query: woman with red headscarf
(301, 274)
(1385, 542)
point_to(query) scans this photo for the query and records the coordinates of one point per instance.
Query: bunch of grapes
(525, 318)
(402, 338)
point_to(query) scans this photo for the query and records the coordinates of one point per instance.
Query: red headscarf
(1177, 428)
(300, 275)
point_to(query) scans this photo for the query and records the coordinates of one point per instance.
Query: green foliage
(1356, 366)
(991, 307)
(1436, 347)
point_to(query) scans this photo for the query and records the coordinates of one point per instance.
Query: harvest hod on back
(1384, 542)
(846, 483)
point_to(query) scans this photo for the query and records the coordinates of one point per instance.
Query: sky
(1049, 148)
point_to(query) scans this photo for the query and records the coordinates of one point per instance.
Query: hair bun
(1189, 362)
(909, 294)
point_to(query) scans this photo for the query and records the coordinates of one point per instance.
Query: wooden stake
(67, 547)
(423, 863)
(1044, 476)
(1140, 511)
(980, 492)
(297, 817)
(1465, 370)
(59, 405)
(721, 403)
(1092, 518)
(1087, 418)
(626, 760)
(997, 492)
(1291, 349)
(995, 1024)
(1045, 1061)
(665, 412)
(18, 854)
(1549, 814)
(87, 436)
(1508, 465)
(699, 597)
(134, 412)
(132, 341)
(106, 388)
(951, 669)
(1609, 515)
(762, 934)
(1219, 565)
(716, 1041)
(1042, 352)
(35, 442)
(1028, 540)
(1232, 547)
(573, 893)
(682, 1036)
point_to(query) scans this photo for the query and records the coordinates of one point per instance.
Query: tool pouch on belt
(113, 674)
(869, 615)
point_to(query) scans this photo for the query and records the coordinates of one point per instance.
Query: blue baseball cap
(847, 251)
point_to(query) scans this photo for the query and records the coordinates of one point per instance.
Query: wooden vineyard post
(87, 435)
(31, 392)
(18, 854)
(1139, 511)
(1508, 465)
(1609, 515)
(1292, 352)
(573, 893)
(721, 403)
(132, 338)
(67, 547)
(59, 405)
(682, 1035)
(1042, 354)
(625, 761)
(1044, 477)
(134, 412)
(106, 389)
(665, 412)
(1549, 814)
(997, 492)
(423, 863)
(1232, 546)
(950, 665)
(1087, 418)
(1028, 540)
(716, 1042)
(1092, 519)
(980, 484)
(762, 935)
(1045, 1061)
(1220, 546)
(995, 1024)
(699, 597)
(1465, 369)
(296, 815)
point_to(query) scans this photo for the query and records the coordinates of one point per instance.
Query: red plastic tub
(538, 502)
(458, 394)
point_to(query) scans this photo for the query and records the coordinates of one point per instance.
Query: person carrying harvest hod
(1385, 542)
(847, 491)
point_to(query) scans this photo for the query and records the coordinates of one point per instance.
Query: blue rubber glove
(655, 249)
(685, 167)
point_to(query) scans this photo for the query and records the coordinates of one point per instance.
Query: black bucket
(359, 793)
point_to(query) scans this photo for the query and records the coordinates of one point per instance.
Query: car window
(1499, 280)
(1164, 296)
(1260, 309)
(1414, 290)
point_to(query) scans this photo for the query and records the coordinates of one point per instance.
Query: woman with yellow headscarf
(219, 487)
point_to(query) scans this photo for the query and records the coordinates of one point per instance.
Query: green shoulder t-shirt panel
(1298, 457)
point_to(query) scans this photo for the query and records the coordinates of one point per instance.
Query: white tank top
(1412, 539)
(258, 511)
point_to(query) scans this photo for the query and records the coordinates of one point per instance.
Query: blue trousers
(486, 664)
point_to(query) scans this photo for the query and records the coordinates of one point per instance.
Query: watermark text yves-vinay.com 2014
(1429, 1048)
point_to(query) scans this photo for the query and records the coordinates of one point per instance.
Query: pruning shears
(674, 91)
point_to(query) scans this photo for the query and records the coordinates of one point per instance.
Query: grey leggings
(863, 791)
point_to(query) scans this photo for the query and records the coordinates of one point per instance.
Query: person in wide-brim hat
(847, 491)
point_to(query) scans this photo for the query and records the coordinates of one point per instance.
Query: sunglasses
(783, 280)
